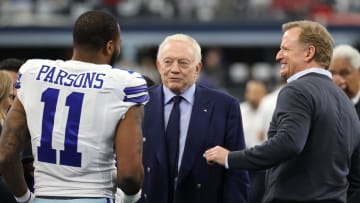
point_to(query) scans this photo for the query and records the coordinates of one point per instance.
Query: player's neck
(89, 57)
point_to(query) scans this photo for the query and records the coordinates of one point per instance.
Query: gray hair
(345, 51)
(182, 38)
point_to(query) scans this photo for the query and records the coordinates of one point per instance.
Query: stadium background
(245, 33)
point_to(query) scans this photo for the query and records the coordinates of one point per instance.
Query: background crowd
(169, 10)
(255, 83)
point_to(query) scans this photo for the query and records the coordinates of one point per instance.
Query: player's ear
(109, 48)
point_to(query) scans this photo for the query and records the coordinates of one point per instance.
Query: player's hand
(216, 155)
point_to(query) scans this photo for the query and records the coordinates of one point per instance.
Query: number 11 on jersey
(69, 156)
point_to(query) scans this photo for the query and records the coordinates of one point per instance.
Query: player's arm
(13, 138)
(128, 146)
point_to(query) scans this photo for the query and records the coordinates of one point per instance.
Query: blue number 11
(69, 156)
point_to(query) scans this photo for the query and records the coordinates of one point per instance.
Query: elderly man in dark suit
(345, 68)
(175, 169)
(313, 153)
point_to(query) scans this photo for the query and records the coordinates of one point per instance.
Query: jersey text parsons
(60, 77)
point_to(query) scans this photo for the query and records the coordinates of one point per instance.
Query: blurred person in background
(147, 65)
(213, 73)
(175, 170)
(312, 153)
(6, 93)
(345, 69)
(144, 64)
(254, 92)
(11, 66)
(6, 88)
(267, 107)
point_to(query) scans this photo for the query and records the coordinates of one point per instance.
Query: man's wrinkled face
(345, 76)
(177, 66)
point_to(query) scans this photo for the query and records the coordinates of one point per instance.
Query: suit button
(148, 169)
(145, 196)
(198, 185)
(144, 139)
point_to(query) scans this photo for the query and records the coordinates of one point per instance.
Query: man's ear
(310, 53)
(158, 66)
(198, 67)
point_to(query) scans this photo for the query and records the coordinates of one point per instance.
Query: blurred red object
(110, 2)
(292, 6)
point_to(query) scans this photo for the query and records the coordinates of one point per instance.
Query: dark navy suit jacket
(313, 150)
(215, 120)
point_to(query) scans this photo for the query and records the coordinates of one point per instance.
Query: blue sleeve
(137, 90)
(136, 94)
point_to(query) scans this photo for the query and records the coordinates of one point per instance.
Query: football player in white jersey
(78, 115)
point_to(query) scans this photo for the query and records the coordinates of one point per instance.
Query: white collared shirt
(307, 71)
(355, 99)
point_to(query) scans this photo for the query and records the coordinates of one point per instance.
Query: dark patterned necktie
(172, 143)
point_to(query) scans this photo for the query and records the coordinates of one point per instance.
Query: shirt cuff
(226, 162)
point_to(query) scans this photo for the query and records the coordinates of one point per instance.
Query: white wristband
(121, 197)
(26, 198)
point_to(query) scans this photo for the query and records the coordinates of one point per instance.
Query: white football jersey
(72, 111)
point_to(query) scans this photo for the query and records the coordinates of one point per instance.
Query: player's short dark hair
(93, 29)
(11, 64)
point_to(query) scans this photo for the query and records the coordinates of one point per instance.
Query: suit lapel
(157, 118)
(198, 126)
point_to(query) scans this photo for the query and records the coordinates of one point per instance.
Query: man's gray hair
(183, 38)
(345, 51)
